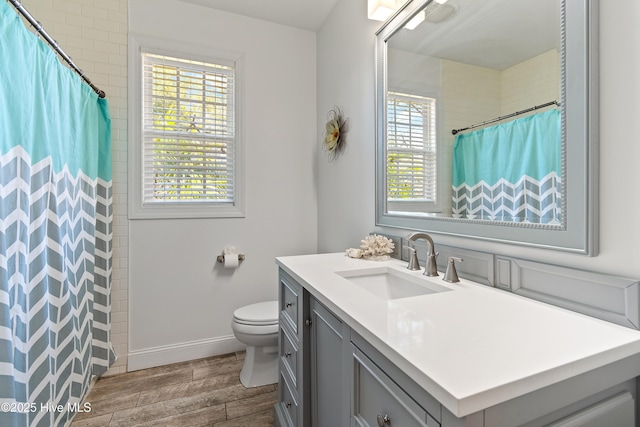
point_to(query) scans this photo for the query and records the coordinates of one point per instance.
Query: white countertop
(472, 348)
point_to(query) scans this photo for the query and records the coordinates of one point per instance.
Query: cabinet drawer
(288, 403)
(289, 354)
(290, 295)
(616, 411)
(378, 400)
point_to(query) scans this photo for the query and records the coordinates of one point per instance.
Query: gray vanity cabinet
(347, 387)
(313, 384)
(291, 410)
(384, 395)
(330, 379)
(326, 380)
(378, 400)
(330, 376)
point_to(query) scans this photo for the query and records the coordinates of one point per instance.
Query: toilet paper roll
(231, 261)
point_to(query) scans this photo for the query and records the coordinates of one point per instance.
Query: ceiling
(506, 32)
(305, 14)
(495, 34)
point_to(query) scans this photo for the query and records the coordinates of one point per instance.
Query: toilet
(256, 325)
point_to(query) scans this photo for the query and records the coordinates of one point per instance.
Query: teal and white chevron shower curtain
(510, 171)
(55, 232)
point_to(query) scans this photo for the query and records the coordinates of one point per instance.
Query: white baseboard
(158, 356)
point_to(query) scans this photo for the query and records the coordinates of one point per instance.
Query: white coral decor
(373, 247)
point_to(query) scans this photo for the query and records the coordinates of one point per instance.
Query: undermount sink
(390, 284)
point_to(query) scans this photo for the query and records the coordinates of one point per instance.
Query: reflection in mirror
(486, 120)
(455, 145)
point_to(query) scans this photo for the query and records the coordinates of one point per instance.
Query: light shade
(381, 10)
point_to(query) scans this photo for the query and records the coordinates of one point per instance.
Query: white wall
(346, 189)
(532, 82)
(346, 209)
(181, 302)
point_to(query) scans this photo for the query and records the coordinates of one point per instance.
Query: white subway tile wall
(94, 34)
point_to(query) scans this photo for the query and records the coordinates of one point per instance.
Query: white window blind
(188, 131)
(411, 148)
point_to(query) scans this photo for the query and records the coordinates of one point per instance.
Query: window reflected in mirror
(411, 153)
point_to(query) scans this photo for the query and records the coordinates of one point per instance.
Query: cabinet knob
(287, 404)
(308, 322)
(288, 304)
(383, 420)
(287, 354)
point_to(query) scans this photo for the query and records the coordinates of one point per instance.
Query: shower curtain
(55, 232)
(510, 172)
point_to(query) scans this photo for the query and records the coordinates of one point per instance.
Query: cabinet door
(329, 382)
(379, 401)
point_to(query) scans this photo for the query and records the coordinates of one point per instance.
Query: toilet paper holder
(221, 258)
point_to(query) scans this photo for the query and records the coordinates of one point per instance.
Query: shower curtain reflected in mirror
(510, 172)
(55, 232)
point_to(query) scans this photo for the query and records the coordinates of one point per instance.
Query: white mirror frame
(579, 233)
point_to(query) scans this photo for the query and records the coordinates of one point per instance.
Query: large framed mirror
(487, 121)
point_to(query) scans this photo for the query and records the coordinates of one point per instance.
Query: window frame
(138, 209)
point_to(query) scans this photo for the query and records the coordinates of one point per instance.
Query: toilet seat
(259, 314)
(255, 329)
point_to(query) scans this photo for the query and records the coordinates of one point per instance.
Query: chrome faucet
(430, 267)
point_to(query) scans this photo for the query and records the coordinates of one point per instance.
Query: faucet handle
(451, 275)
(413, 259)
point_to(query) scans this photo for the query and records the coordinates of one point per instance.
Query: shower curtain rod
(38, 27)
(517, 113)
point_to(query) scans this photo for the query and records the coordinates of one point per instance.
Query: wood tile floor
(205, 392)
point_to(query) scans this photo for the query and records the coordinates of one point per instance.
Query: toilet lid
(262, 313)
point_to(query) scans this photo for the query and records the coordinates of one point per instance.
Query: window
(411, 153)
(189, 145)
